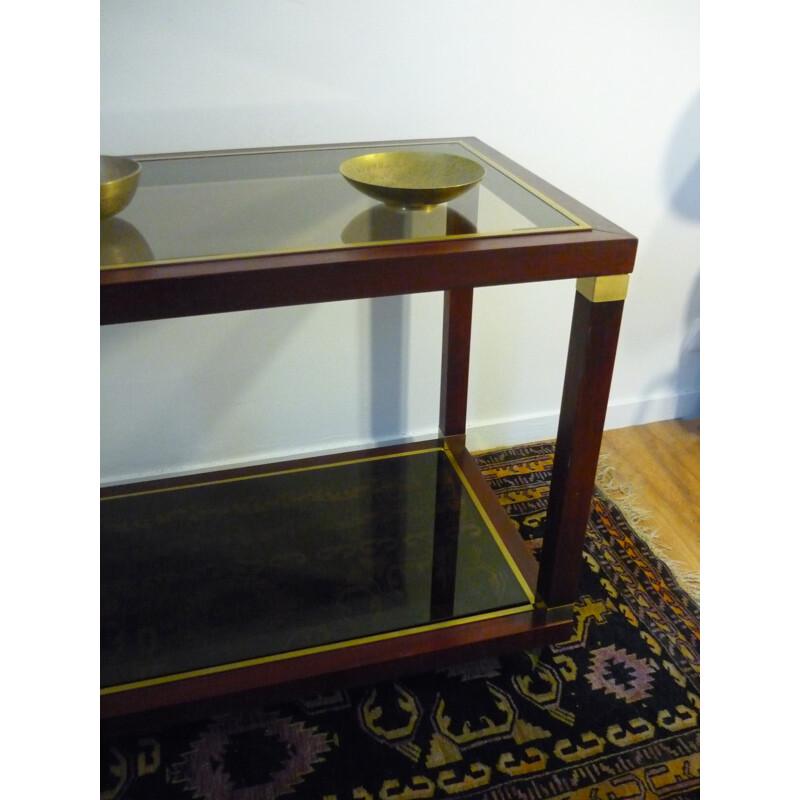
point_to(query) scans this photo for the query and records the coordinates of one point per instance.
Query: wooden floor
(661, 462)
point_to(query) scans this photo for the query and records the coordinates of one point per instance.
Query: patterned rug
(612, 713)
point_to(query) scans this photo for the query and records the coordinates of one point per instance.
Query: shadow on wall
(388, 367)
(681, 180)
(688, 371)
(682, 165)
(684, 379)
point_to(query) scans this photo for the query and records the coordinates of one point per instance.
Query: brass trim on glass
(270, 473)
(604, 289)
(162, 679)
(324, 648)
(578, 224)
(498, 541)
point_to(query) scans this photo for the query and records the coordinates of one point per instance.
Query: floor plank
(661, 463)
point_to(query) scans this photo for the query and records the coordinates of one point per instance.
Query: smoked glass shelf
(209, 575)
(256, 203)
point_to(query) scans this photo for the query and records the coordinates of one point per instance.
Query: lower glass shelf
(215, 574)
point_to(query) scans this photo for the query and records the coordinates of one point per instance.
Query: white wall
(601, 99)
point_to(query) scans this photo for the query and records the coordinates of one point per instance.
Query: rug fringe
(621, 494)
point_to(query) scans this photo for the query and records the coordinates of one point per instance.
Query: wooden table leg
(590, 363)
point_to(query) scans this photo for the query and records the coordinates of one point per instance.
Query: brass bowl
(412, 179)
(119, 179)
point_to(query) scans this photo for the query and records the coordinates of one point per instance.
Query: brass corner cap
(604, 289)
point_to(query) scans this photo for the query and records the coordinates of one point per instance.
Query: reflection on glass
(122, 243)
(202, 576)
(382, 223)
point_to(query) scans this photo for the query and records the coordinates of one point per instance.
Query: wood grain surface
(661, 463)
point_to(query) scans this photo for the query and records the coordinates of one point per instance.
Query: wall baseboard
(619, 415)
(479, 437)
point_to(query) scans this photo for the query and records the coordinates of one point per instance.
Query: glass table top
(214, 206)
(204, 576)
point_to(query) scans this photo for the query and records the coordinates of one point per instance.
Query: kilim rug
(612, 713)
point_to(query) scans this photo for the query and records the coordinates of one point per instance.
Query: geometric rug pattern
(612, 713)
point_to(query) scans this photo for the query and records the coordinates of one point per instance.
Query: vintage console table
(322, 572)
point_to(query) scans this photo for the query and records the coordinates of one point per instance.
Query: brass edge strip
(344, 463)
(311, 650)
(580, 225)
(330, 247)
(255, 151)
(495, 535)
(604, 289)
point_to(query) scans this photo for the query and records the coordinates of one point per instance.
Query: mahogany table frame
(599, 259)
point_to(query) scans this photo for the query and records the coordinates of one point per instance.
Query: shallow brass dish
(412, 179)
(119, 179)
